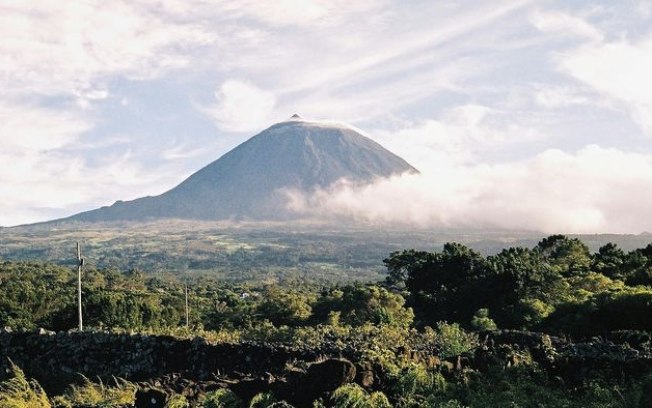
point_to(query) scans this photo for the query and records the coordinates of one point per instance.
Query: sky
(519, 114)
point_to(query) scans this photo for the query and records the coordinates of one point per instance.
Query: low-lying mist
(596, 190)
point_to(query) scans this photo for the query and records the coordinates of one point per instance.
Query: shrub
(415, 379)
(354, 396)
(177, 401)
(223, 398)
(482, 321)
(262, 400)
(451, 339)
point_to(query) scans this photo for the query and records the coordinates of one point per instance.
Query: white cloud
(559, 96)
(44, 167)
(618, 70)
(28, 128)
(241, 106)
(85, 97)
(644, 7)
(553, 22)
(459, 135)
(300, 12)
(590, 191)
(64, 47)
(41, 184)
(181, 152)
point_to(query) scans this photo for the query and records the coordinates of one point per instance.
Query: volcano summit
(250, 181)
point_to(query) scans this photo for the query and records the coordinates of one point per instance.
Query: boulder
(151, 398)
(319, 380)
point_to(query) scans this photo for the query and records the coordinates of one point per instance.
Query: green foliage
(99, 394)
(349, 396)
(414, 379)
(549, 287)
(639, 395)
(609, 261)
(32, 293)
(378, 400)
(262, 400)
(284, 307)
(135, 310)
(177, 401)
(482, 321)
(528, 387)
(447, 285)
(19, 392)
(222, 398)
(568, 256)
(630, 308)
(358, 305)
(451, 339)
(354, 396)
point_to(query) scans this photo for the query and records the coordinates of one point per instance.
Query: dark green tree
(568, 256)
(609, 261)
(448, 285)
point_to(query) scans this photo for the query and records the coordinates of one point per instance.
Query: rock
(332, 373)
(365, 375)
(321, 379)
(248, 388)
(365, 378)
(151, 398)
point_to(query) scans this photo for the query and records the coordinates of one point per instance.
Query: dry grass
(98, 394)
(19, 392)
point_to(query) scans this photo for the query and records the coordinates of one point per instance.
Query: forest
(447, 302)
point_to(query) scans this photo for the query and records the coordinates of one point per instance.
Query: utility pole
(80, 264)
(187, 310)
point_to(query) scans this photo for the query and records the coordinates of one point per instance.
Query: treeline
(558, 286)
(44, 295)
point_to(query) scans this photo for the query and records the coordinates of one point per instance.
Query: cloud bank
(592, 190)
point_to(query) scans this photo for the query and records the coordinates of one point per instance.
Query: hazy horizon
(527, 115)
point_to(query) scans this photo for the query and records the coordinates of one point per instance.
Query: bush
(451, 339)
(354, 396)
(414, 379)
(178, 401)
(481, 321)
(262, 400)
(223, 398)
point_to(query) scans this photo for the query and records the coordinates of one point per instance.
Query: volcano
(250, 182)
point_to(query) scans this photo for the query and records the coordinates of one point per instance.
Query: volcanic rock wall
(57, 359)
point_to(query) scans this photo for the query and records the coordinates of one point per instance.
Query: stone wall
(58, 359)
